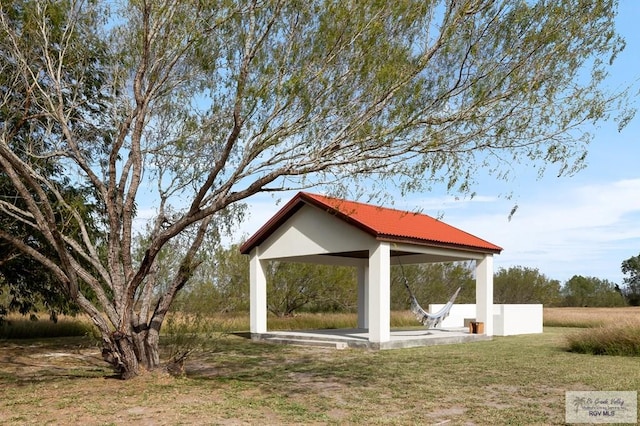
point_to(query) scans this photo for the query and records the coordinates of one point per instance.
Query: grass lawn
(510, 380)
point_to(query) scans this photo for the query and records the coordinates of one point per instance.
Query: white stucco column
(380, 293)
(484, 293)
(257, 293)
(363, 297)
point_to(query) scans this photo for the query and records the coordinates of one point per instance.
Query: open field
(590, 317)
(515, 380)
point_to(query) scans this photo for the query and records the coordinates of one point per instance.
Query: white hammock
(431, 320)
(425, 318)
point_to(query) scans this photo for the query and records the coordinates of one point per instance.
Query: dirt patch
(43, 361)
(44, 383)
(443, 415)
(308, 382)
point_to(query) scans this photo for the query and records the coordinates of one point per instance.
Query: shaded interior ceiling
(364, 254)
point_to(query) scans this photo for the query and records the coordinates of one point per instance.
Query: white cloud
(588, 230)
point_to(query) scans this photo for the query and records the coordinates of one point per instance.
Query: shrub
(623, 339)
(185, 334)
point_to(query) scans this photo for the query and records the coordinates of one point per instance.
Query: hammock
(432, 320)
(424, 317)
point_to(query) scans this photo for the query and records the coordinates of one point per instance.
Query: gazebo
(325, 230)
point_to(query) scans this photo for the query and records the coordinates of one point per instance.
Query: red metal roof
(382, 223)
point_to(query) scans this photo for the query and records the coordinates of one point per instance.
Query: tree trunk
(119, 351)
(147, 348)
(127, 354)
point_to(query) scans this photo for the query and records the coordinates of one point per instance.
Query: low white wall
(507, 319)
(518, 319)
(457, 314)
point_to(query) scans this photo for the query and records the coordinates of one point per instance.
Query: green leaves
(631, 270)
(591, 291)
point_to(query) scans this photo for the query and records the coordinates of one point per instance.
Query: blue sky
(586, 224)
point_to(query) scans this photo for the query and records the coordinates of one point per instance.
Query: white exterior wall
(518, 319)
(311, 231)
(508, 319)
(457, 314)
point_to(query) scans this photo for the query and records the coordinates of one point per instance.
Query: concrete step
(306, 342)
(323, 335)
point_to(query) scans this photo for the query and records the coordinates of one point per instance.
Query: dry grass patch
(619, 339)
(590, 317)
(233, 322)
(607, 331)
(17, 326)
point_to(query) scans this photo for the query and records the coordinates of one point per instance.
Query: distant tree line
(301, 287)
(221, 285)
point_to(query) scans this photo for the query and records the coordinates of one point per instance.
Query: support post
(484, 293)
(363, 297)
(380, 293)
(258, 293)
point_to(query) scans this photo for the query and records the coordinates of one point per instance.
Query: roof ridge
(407, 212)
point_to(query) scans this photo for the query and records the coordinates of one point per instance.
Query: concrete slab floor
(359, 338)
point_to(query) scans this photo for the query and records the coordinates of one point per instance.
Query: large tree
(198, 105)
(24, 281)
(519, 284)
(631, 270)
(591, 291)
